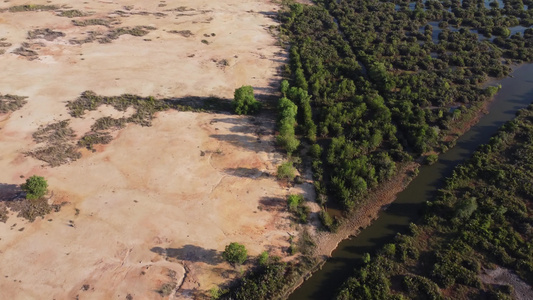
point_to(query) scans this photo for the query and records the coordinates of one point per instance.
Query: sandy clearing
(181, 189)
(502, 276)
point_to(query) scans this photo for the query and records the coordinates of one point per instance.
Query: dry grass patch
(59, 148)
(46, 34)
(31, 209)
(145, 107)
(3, 213)
(28, 53)
(112, 34)
(4, 44)
(72, 13)
(9, 103)
(93, 138)
(56, 154)
(106, 123)
(54, 133)
(95, 22)
(184, 33)
(32, 7)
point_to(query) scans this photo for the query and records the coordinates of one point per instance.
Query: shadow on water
(515, 94)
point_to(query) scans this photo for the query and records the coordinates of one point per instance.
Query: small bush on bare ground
(167, 289)
(10, 103)
(46, 34)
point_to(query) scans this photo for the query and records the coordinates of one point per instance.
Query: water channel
(516, 93)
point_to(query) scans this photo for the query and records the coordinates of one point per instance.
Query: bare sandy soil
(158, 204)
(501, 276)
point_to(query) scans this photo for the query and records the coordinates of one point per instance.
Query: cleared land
(158, 204)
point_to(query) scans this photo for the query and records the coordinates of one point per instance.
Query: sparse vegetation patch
(93, 138)
(108, 123)
(32, 7)
(167, 289)
(28, 53)
(4, 44)
(145, 107)
(184, 33)
(46, 34)
(3, 213)
(135, 31)
(54, 133)
(56, 154)
(10, 103)
(59, 148)
(113, 34)
(296, 205)
(94, 22)
(72, 13)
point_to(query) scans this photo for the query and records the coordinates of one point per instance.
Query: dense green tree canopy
(244, 102)
(377, 83)
(235, 253)
(35, 187)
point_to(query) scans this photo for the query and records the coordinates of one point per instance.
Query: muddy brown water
(516, 93)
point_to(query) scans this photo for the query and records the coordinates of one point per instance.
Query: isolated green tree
(35, 187)
(286, 170)
(235, 253)
(244, 102)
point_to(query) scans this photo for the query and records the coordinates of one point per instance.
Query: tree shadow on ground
(208, 104)
(10, 192)
(226, 273)
(272, 204)
(242, 141)
(245, 172)
(191, 253)
(255, 124)
(246, 133)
